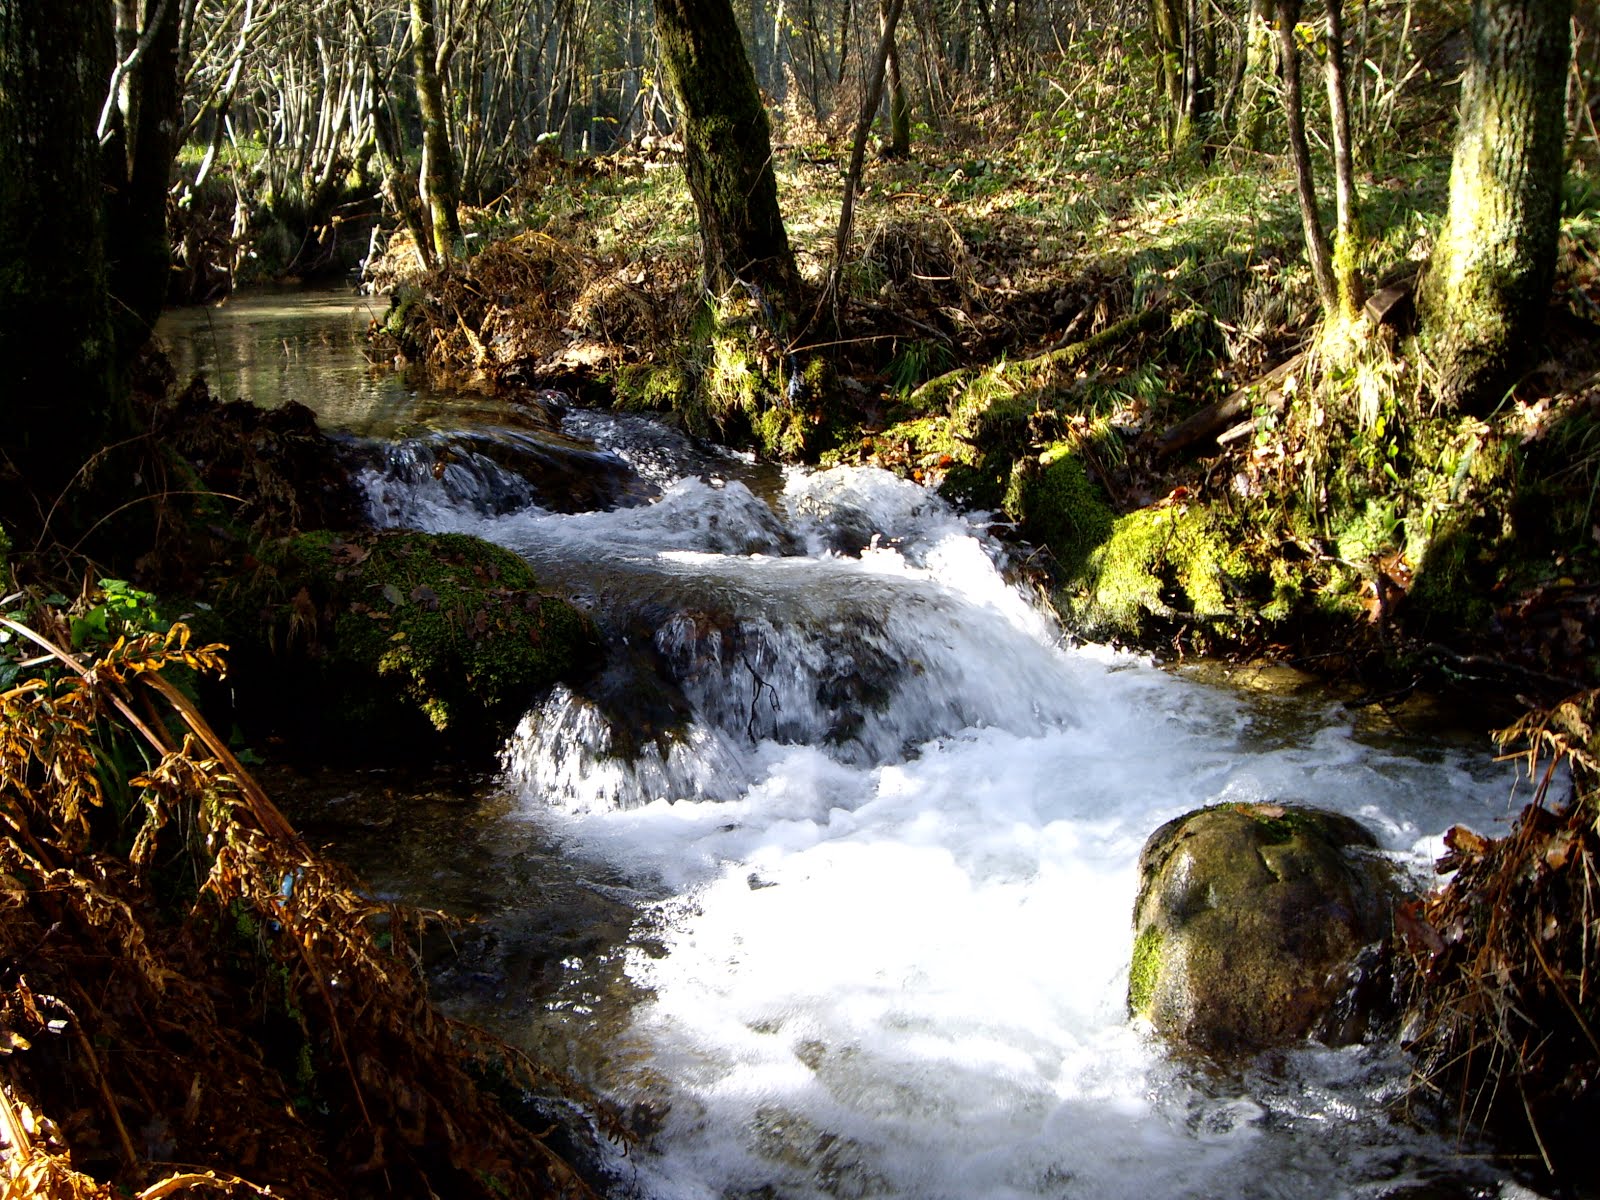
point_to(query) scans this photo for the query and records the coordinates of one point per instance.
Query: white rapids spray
(894, 827)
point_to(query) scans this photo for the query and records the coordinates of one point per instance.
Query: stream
(827, 881)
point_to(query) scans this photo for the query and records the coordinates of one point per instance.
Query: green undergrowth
(738, 382)
(1175, 563)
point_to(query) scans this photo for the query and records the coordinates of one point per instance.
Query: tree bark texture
(138, 163)
(1186, 69)
(1490, 277)
(438, 176)
(1166, 24)
(1287, 16)
(1255, 87)
(55, 327)
(1346, 248)
(898, 144)
(727, 150)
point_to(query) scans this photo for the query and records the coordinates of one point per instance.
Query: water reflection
(272, 346)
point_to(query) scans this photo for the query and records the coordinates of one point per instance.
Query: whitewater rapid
(888, 851)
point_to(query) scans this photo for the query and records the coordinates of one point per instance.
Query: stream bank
(1325, 515)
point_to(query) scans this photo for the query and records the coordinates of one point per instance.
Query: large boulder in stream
(1255, 926)
(400, 641)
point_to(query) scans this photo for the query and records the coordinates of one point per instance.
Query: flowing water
(871, 829)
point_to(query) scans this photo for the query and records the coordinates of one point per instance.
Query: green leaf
(91, 625)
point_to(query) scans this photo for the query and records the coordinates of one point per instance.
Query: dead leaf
(349, 553)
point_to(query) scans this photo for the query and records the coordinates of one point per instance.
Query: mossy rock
(1056, 504)
(1251, 924)
(994, 409)
(1169, 563)
(410, 640)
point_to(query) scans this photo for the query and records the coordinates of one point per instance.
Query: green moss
(1448, 593)
(783, 433)
(1278, 829)
(994, 408)
(1370, 531)
(732, 382)
(1170, 562)
(927, 449)
(740, 392)
(376, 630)
(1056, 504)
(651, 387)
(1145, 970)
(1288, 588)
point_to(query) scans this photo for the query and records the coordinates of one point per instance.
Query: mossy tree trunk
(727, 150)
(1185, 69)
(438, 176)
(1492, 269)
(1166, 25)
(1346, 240)
(1255, 86)
(55, 323)
(898, 144)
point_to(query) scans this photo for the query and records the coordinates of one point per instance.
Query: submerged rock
(1251, 926)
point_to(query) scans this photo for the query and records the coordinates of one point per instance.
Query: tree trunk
(55, 326)
(1491, 273)
(727, 150)
(387, 138)
(1346, 241)
(1288, 14)
(438, 175)
(1255, 88)
(898, 144)
(1185, 66)
(858, 150)
(139, 171)
(1199, 77)
(1166, 24)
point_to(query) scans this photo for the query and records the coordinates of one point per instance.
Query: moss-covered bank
(399, 640)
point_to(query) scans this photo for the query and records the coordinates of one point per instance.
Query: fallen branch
(1225, 413)
(1039, 370)
(896, 315)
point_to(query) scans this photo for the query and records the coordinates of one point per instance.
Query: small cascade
(865, 659)
(491, 472)
(857, 614)
(881, 831)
